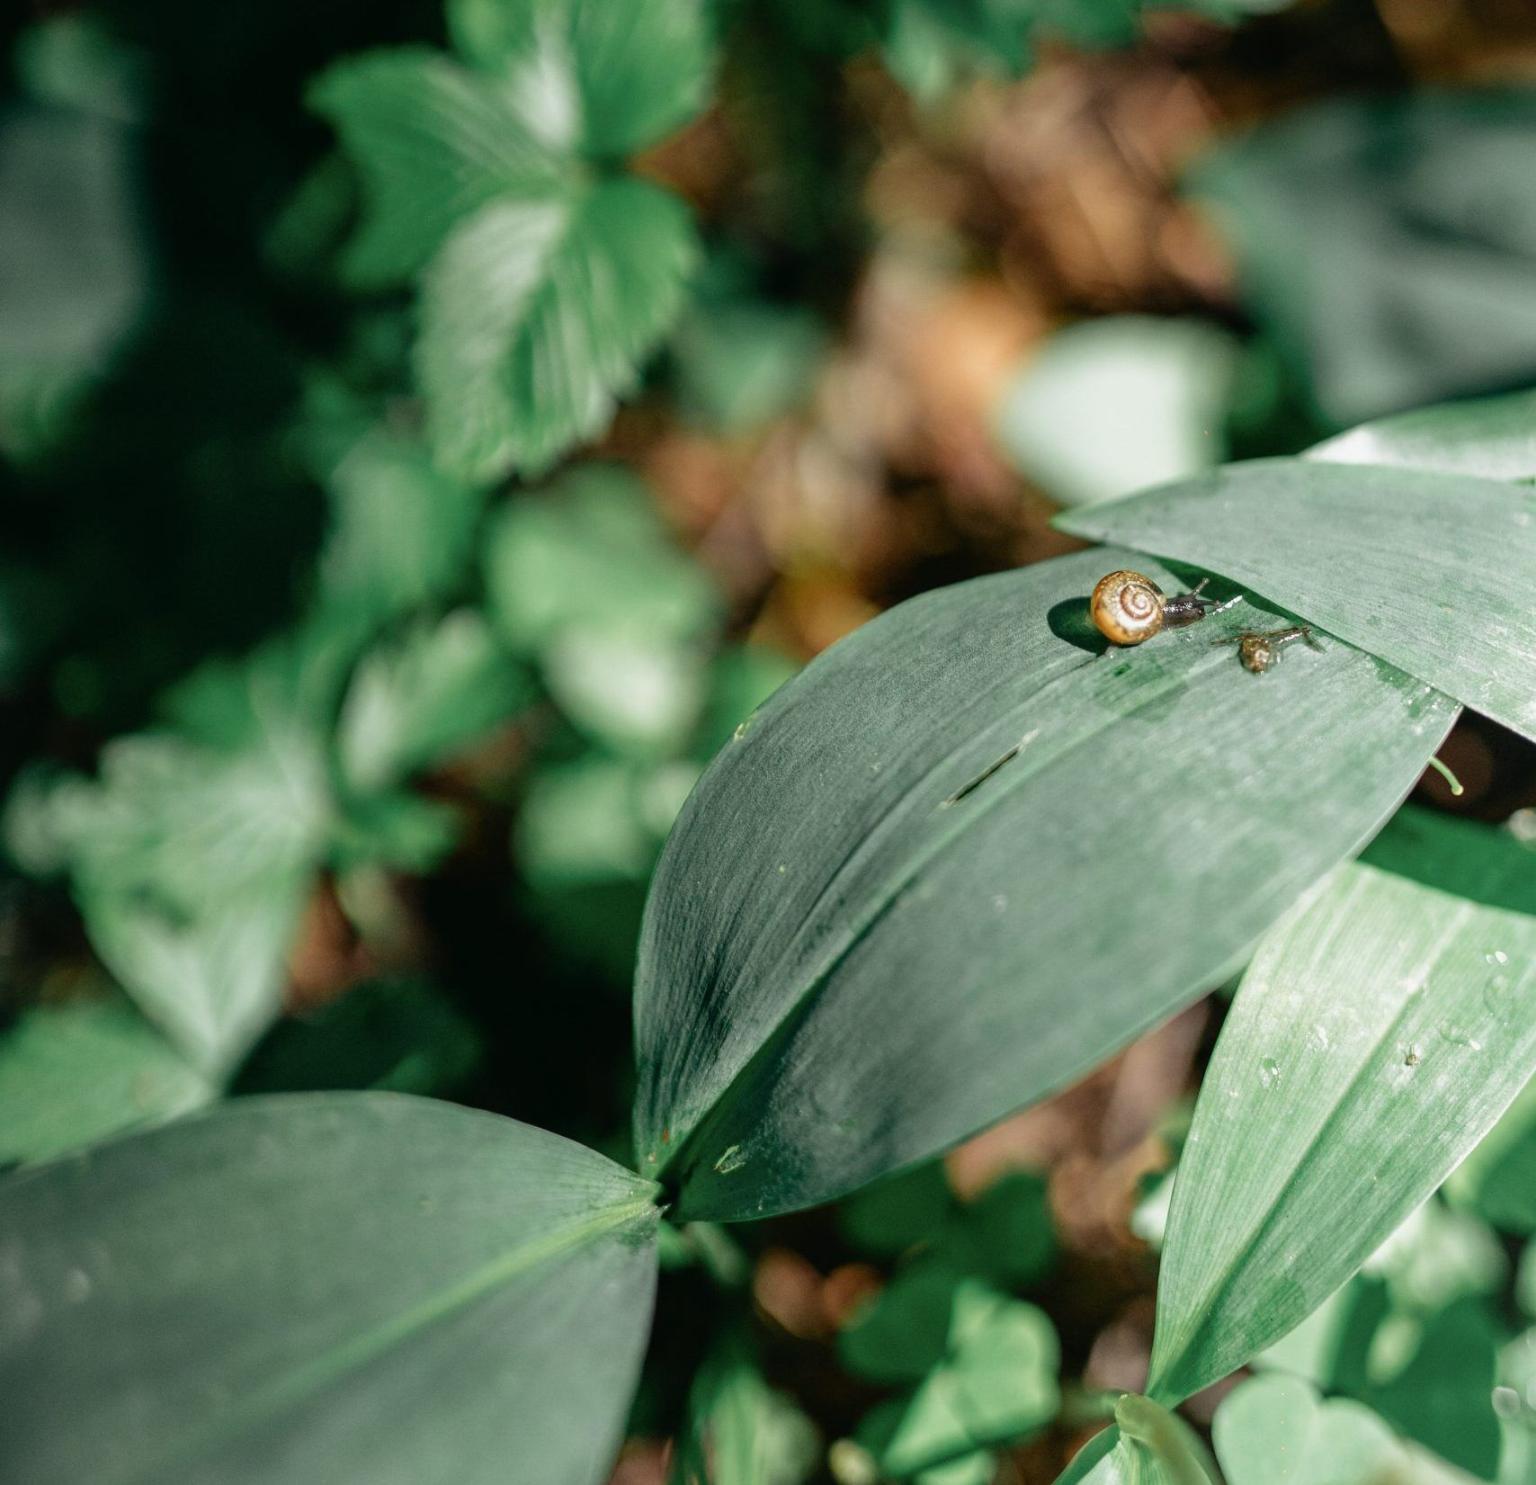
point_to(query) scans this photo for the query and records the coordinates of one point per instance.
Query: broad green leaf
(440, 687)
(1386, 243)
(535, 317)
(740, 1431)
(435, 142)
(1278, 1431)
(323, 1287)
(593, 78)
(1116, 404)
(1376, 1037)
(1492, 437)
(73, 1074)
(853, 904)
(1432, 572)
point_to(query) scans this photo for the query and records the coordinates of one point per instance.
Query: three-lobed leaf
(323, 1287)
(855, 953)
(536, 315)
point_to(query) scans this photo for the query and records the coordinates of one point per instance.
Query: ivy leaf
(535, 316)
(600, 80)
(435, 142)
(322, 1287)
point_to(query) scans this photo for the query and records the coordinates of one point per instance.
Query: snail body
(1128, 607)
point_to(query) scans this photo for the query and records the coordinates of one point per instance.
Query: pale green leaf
(536, 315)
(1119, 403)
(1432, 572)
(73, 1074)
(1147, 1445)
(840, 920)
(323, 1287)
(1277, 1431)
(1493, 437)
(593, 78)
(435, 142)
(1376, 1037)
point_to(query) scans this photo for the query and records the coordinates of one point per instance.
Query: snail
(1128, 608)
(1259, 649)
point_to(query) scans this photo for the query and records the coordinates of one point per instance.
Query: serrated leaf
(441, 686)
(1432, 572)
(73, 1074)
(323, 1287)
(854, 903)
(435, 142)
(1376, 1037)
(596, 79)
(402, 532)
(535, 316)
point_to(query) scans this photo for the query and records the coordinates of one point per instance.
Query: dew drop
(1496, 956)
(1269, 1072)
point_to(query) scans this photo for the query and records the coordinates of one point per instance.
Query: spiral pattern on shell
(1127, 608)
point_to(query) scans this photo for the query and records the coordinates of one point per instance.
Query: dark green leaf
(536, 315)
(840, 920)
(435, 143)
(323, 1287)
(1432, 572)
(595, 79)
(1376, 1037)
(73, 1074)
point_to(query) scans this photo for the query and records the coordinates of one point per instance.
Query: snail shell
(1127, 608)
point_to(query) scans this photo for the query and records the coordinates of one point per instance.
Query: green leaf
(411, 704)
(840, 920)
(1375, 1038)
(536, 314)
(435, 142)
(1492, 437)
(898, 1213)
(324, 1287)
(904, 1333)
(1116, 404)
(1277, 1431)
(1148, 1445)
(396, 1035)
(740, 1431)
(402, 532)
(1386, 243)
(596, 79)
(1443, 1395)
(1432, 572)
(995, 1383)
(73, 1074)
